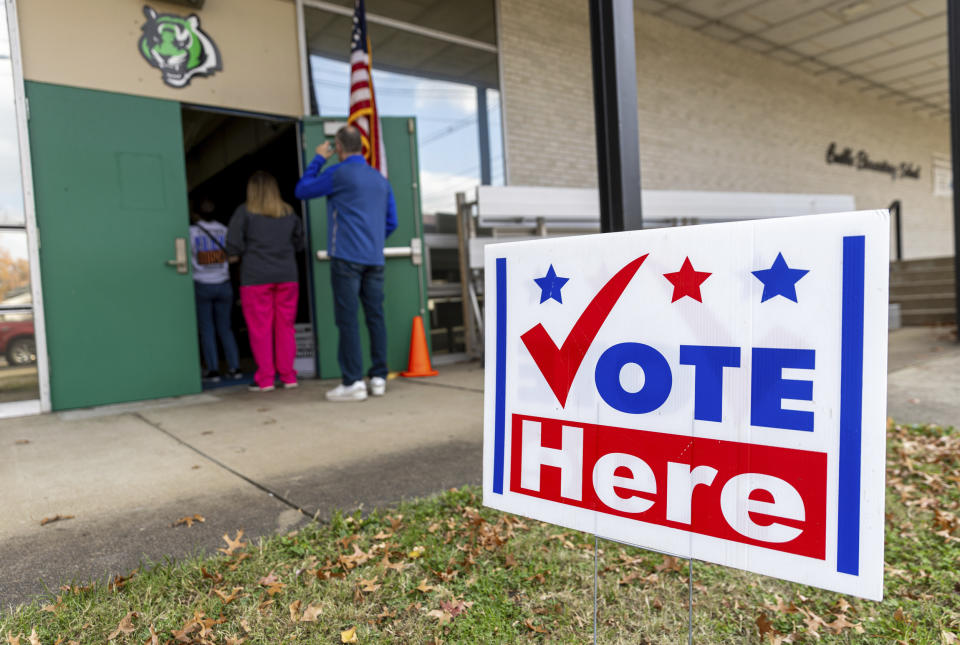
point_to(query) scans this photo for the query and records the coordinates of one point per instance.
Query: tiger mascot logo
(178, 47)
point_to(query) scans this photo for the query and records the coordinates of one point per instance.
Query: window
(18, 354)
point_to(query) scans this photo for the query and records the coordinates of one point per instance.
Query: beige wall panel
(712, 116)
(93, 44)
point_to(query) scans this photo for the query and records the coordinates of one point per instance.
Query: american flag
(363, 103)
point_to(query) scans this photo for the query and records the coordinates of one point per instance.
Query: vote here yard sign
(712, 391)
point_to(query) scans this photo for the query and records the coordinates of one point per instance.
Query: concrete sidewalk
(250, 460)
(240, 459)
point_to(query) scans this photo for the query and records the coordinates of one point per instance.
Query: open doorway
(222, 150)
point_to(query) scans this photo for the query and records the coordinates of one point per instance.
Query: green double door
(404, 274)
(111, 198)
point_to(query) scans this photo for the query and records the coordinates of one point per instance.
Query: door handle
(180, 255)
(414, 252)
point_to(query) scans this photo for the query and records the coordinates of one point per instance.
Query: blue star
(779, 280)
(550, 286)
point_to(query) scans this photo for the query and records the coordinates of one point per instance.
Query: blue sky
(446, 125)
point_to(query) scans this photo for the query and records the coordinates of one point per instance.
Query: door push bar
(414, 252)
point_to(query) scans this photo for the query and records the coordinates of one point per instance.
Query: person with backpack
(214, 293)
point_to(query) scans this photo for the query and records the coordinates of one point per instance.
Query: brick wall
(712, 116)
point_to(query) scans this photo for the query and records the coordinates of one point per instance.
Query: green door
(111, 198)
(403, 278)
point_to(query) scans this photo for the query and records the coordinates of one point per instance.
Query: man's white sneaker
(378, 386)
(356, 391)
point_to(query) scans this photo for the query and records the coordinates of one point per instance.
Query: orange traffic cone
(419, 364)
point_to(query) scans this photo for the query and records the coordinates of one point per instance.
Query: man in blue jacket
(361, 213)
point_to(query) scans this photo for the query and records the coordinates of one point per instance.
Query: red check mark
(559, 366)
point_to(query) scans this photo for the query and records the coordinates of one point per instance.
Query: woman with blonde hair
(266, 235)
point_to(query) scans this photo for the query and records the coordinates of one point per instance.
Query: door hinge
(409, 126)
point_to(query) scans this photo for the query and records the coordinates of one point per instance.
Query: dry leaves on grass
(125, 626)
(349, 636)
(232, 545)
(54, 608)
(358, 557)
(216, 577)
(119, 582)
(416, 552)
(423, 587)
(311, 613)
(56, 518)
(228, 598)
(539, 629)
(369, 586)
(396, 566)
(189, 520)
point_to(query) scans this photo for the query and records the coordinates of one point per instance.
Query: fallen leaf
(841, 606)
(154, 638)
(669, 563)
(344, 542)
(119, 582)
(349, 636)
(125, 626)
(416, 552)
(294, 610)
(268, 579)
(310, 614)
(539, 577)
(14, 640)
(395, 521)
(216, 577)
(275, 588)
(442, 617)
(534, 627)
(20, 442)
(189, 520)
(56, 518)
(54, 608)
(368, 586)
(396, 566)
(948, 638)
(456, 607)
(510, 561)
(433, 528)
(228, 598)
(841, 623)
(781, 607)
(764, 624)
(232, 545)
(240, 557)
(424, 587)
(383, 535)
(34, 639)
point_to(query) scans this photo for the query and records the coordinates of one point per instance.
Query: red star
(686, 281)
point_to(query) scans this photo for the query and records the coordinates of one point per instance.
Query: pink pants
(270, 311)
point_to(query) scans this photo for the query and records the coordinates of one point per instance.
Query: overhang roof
(328, 34)
(891, 50)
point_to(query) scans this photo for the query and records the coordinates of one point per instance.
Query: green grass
(465, 574)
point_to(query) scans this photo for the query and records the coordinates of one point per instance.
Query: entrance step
(925, 290)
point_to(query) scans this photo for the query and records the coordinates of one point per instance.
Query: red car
(17, 342)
